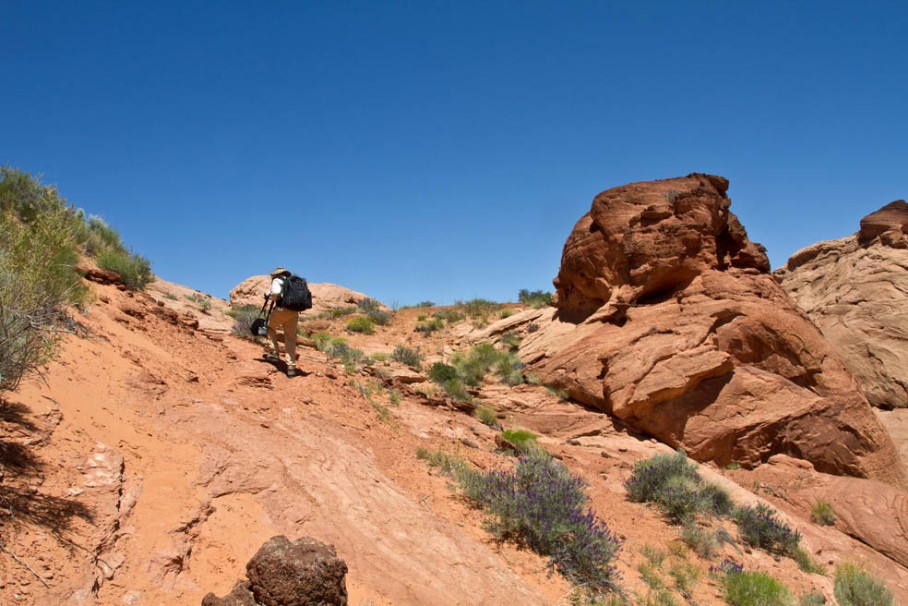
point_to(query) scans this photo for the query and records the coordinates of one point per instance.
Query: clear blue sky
(444, 150)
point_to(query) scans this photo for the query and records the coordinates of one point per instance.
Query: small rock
(574, 442)
(469, 443)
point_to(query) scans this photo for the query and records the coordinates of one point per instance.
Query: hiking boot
(293, 372)
(271, 357)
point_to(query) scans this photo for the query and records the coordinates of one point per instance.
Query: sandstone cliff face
(855, 290)
(668, 318)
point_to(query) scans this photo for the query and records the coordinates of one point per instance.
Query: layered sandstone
(855, 290)
(668, 318)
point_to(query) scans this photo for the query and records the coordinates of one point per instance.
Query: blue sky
(444, 150)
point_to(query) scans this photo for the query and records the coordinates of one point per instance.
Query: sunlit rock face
(668, 318)
(855, 290)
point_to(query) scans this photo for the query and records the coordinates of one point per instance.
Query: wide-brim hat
(279, 271)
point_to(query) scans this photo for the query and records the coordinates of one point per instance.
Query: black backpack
(295, 294)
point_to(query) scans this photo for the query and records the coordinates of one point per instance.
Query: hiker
(283, 319)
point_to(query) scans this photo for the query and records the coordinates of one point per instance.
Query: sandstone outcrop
(855, 290)
(668, 318)
(325, 297)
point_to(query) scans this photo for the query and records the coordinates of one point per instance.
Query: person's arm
(275, 293)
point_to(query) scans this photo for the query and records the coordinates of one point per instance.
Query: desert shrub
(426, 304)
(674, 485)
(37, 283)
(450, 465)
(340, 312)
(703, 542)
(243, 317)
(511, 340)
(685, 576)
(535, 298)
(558, 393)
(361, 324)
(456, 389)
(381, 356)
(476, 308)
(814, 598)
(822, 513)
(805, 562)
(429, 326)
(133, 269)
(755, 589)
(440, 372)
(759, 527)
(523, 440)
(337, 347)
(506, 313)
(541, 504)
(449, 316)
(650, 476)
(372, 310)
(854, 586)
(487, 416)
(408, 356)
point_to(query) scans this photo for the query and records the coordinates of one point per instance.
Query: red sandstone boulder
(668, 318)
(855, 290)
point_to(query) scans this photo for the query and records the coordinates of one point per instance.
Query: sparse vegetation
(759, 527)
(755, 589)
(487, 416)
(854, 586)
(361, 324)
(134, 270)
(522, 439)
(243, 317)
(429, 326)
(372, 309)
(353, 359)
(673, 483)
(535, 298)
(408, 356)
(822, 513)
(544, 506)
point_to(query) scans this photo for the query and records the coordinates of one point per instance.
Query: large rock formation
(855, 289)
(668, 318)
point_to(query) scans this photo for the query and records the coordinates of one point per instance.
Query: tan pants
(286, 321)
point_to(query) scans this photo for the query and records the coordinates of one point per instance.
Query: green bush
(854, 586)
(523, 440)
(361, 324)
(408, 356)
(487, 416)
(674, 485)
(755, 589)
(449, 316)
(535, 298)
(759, 527)
(429, 326)
(440, 372)
(38, 249)
(243, 317)
(542, 505)
(134, 270)
(822, 513)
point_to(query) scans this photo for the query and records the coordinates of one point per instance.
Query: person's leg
(289, 325)
(271, 344)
